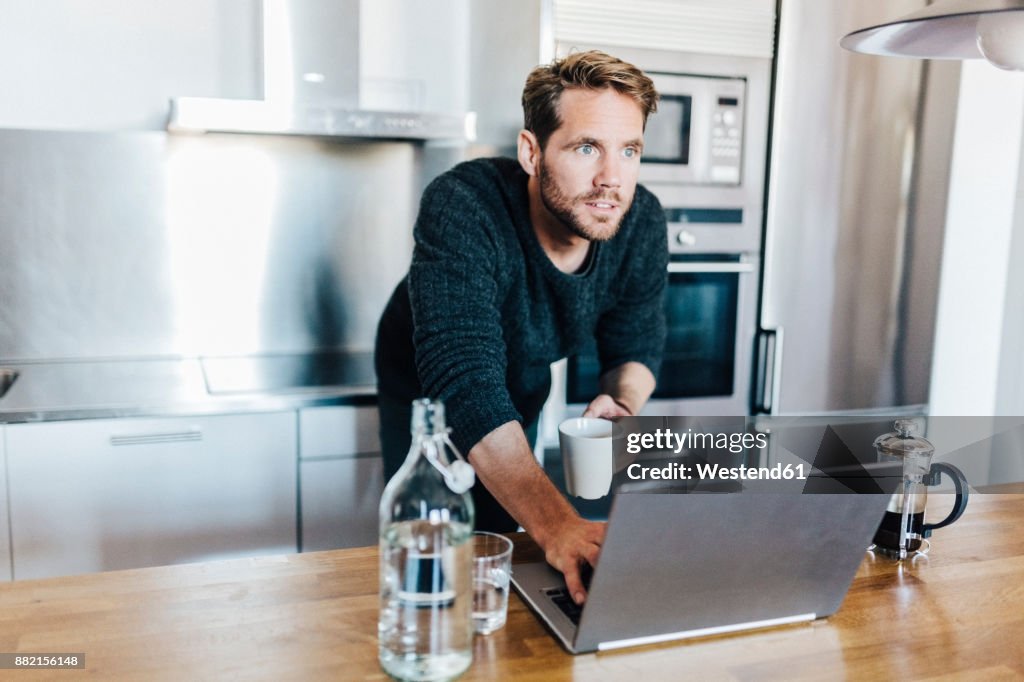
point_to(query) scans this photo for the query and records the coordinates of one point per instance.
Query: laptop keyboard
(560, 596)
(563, 600)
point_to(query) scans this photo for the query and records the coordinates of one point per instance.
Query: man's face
(588, 168)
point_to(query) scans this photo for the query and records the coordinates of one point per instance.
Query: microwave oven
(704, 158)
(705, 148)
(696, 135)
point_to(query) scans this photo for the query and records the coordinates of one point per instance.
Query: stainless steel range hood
(311, 85)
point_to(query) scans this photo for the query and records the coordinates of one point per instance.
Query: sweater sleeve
(457, 332)
(634, 329)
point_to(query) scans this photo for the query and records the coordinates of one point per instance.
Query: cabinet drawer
(124, 493)
(340, 498)
(338, 430)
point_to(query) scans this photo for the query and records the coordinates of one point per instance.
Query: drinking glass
(492, 565)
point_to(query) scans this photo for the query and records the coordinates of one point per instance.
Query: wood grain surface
(957, 614)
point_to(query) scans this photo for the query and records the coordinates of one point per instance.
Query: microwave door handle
(709, 266)
(769, 360)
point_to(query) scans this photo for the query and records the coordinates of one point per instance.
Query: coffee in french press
(903, 529)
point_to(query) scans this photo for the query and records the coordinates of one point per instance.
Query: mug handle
(959, 483)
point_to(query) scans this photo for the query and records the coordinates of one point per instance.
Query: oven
(710, 312)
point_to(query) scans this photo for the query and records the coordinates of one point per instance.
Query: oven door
(710, 307)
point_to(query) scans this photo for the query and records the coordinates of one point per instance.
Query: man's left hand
(606, 407)
(624, 390)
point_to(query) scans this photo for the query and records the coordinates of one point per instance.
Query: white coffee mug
(587, 455)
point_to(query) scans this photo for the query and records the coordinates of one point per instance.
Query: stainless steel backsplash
(148, 244)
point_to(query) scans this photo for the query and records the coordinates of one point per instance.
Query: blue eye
(630, 152)
(586, 149)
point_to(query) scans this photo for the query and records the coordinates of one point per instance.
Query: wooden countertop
(958, 614)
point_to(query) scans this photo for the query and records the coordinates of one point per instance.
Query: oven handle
(709, 266)
(769, 371)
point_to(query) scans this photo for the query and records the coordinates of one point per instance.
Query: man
(517, 265)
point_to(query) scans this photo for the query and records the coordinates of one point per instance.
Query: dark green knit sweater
(483, 311)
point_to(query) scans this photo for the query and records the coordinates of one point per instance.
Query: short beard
(561, 206)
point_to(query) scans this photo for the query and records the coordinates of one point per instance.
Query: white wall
(980, 321)
(114, 64)
(414, 55)
(1010, 397)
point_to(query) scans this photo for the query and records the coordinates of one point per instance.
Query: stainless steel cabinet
(341, 477)
(5, 536)
(109, 494)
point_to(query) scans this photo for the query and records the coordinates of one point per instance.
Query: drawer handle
(713, 266)
(193, 434)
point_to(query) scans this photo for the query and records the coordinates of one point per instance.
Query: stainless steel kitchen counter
(95, 389)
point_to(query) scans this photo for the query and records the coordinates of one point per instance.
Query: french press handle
(959, 483)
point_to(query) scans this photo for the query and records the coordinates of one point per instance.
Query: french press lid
(902, 442)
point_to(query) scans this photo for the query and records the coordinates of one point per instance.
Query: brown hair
(592, 70)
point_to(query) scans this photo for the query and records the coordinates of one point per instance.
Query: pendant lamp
(950, 29)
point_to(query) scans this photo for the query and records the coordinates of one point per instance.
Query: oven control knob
(686, 238)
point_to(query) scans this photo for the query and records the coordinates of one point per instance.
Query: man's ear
(529, 152)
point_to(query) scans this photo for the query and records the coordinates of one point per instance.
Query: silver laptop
(675, 566)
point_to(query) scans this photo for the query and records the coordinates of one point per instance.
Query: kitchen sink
(7, 377)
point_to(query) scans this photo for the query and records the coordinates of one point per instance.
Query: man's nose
(610, 173)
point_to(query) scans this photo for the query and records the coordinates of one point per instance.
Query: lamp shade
(950, 29)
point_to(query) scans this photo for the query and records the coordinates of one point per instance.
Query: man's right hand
(570, 545)
(504, 463)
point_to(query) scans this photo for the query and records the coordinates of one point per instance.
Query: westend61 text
(705, 472)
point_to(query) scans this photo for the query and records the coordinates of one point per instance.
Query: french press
(903, 529)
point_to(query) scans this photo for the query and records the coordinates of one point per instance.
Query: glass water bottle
(425, 629)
